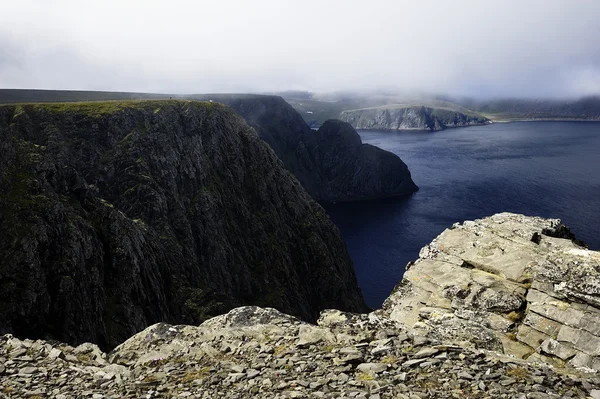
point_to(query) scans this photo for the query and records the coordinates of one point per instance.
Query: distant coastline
(544, 120)
(489, 122)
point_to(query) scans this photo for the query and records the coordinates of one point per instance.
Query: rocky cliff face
(509, 283)
(409, 118)
(331, 163)
(349, 170)
(119, 215)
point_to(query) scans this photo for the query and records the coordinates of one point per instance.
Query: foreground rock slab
(510, 283)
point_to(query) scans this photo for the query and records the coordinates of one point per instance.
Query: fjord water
(548, 169)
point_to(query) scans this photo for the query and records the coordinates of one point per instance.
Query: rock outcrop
(116, 215)
(349, 170)
(410, 118)
(261, 353)
(509, 283)
(332, 163)
(502, 307)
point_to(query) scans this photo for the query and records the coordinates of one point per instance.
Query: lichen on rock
(507, 283)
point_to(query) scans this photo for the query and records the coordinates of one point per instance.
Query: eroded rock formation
(510, 283)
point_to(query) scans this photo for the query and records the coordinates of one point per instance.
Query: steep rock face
(409, 118)
(278, 124)
(350, 170)
(332, 163)
(119, 215)
(510, 283)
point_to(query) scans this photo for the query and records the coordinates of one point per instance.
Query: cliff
(393, 117)
(332, 163)
(350, 170)
(282, 127)
(119, 215)
(318, 107)
(502, 307)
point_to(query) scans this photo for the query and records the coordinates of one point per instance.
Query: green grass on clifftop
(101, 108)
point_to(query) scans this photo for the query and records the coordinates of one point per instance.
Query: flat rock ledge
(494, 308)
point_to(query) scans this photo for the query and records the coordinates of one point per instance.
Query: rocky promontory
(410, 118)
(502, 307)
(332, 163)
(293, 141)
(350, 170)
(117, 215)
(509, 283)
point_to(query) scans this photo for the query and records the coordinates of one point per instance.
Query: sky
(491, 48)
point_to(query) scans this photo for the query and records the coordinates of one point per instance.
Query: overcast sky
(480, 48)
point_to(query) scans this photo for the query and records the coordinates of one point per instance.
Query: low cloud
(475, 48)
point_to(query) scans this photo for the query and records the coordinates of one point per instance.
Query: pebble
(426, 352)
(28, 370)
(465, 375)
(372, 367)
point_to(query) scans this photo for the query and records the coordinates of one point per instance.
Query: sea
(548, 169)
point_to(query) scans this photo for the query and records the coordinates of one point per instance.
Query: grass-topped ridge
(435, 106)
(443, 105)
(102, 108)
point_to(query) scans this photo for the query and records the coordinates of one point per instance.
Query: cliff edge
(350, 170)
(117, 215)
(332, 163)
(392, 117)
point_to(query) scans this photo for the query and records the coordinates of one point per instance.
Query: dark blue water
(549, 169)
